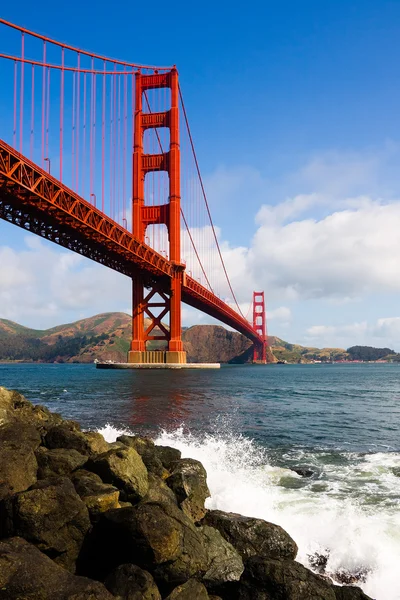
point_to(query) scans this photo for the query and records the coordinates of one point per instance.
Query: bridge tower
(260, 326)
(164, 297)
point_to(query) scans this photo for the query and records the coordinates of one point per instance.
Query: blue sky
(294, 108)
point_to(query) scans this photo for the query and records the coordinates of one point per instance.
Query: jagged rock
(132, 583)
(51, 516)
(63, 436)
(27, 574)
(224, 563)
(124, 468)
(349, 593)
(146, 448)
(189, 483)
(59, 461)
(18, 465)
(96, 444)
(159, 491)
(141, 444)
(252, 537)
(14, 405)
(68, 435)
(264, 579)
(168, 456)
(191, 590)
(98, 496)
(303, 471)
(155, 536)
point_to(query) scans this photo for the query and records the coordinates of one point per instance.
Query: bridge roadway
(37, 202)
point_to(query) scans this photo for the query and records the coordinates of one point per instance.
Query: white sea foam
(344, 511)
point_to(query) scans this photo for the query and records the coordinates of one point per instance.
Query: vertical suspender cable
(32, 113)
(43, 100)
(84, 137)
(115, 138)
(21, 97)
(91, 136)
(15, 103)
(47, 112)
(78, 110)
(103, 133)
(61, 114)
(124, 149)
(73, 129)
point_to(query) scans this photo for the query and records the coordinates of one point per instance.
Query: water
(250, 426)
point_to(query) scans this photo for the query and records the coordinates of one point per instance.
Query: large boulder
(67, 435)
(349, 593)
(252, 537)
(191, 590)
(18, 464)
(51, 516)
(159, 491)
(14, 405)
(223, 562)
(168, 456)
(130, 582)
(98, 496)
(157, 537)
(147, 450)
(123, 468)
(27, 574)
(189, 483)
(266, 579)
(59, 461)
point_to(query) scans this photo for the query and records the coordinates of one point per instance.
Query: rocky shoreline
(84, 519)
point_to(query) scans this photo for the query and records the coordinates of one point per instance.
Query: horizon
(294, 115)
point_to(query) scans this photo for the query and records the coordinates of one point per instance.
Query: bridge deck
(37, 202)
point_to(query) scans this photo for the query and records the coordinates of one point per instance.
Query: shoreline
(111, 500)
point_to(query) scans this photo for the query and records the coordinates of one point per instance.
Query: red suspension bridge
(70, 121)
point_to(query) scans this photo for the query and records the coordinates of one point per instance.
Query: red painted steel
(33, 199)
(167, 214)
(260, 327)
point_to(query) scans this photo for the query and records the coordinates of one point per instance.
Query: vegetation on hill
(107, 337)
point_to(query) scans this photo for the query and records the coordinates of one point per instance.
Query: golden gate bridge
(94, 158)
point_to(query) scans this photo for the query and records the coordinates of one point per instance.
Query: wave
(348, 513)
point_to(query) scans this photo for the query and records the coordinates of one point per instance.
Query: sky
(294, 109)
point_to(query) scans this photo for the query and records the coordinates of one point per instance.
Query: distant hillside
(107, 337)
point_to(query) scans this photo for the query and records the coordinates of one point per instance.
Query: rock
(157, 537)
(132, 583)
(58, 461)
(191, 590)
(141, 444)
(159, 491)
(252, 537)
(282, 579)
(224, 563)
(18, 464)
(51, 516)
(15, 406)
(96, 444)
(349, 593)
(98, 496)
(27, 574)
(123, 468)
(168, 456)
(146, 448)
(303, 471)
(189, 483)
(67, 435)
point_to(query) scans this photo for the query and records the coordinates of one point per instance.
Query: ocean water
(251, 426)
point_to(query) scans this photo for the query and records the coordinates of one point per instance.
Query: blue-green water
(250, 425)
